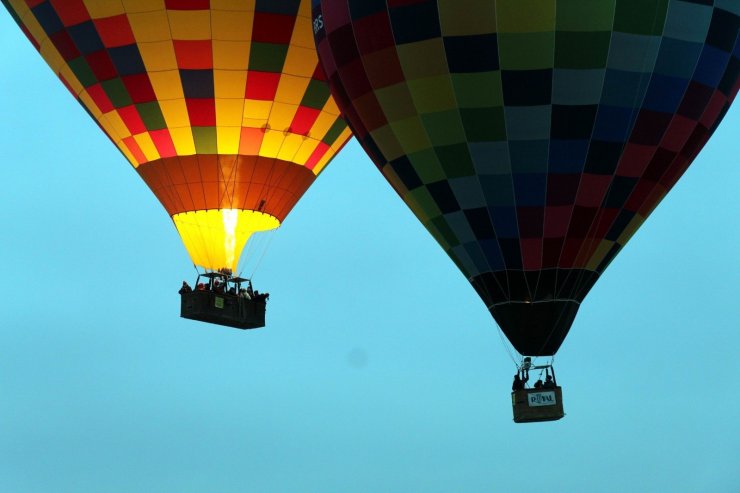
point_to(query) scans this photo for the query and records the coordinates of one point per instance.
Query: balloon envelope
(219, 105)
(532, 138)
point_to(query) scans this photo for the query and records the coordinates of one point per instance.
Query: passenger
(201, 286)
(218, 287)
(519, 382)
(232, 291)
(244, 294)
(538, 384)
(185, 288)
(261, 297)
(549, 384)
(249, 291)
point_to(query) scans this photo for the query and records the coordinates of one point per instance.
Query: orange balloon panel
(218, 104)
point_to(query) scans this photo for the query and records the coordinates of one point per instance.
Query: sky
(380, 368)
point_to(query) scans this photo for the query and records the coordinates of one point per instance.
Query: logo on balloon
(318, 24)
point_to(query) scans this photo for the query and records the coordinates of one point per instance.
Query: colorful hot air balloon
(219, 105)
(531, 138)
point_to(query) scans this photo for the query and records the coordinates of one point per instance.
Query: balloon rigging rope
(250, 251)
(270, 237)
(506, 345)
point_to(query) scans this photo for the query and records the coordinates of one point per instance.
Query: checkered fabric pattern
(532, 138)
(216, 103)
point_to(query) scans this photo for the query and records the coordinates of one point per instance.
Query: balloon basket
(533, 405)
(222, 309)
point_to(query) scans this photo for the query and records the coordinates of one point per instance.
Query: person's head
(516, 377)
(549, 378)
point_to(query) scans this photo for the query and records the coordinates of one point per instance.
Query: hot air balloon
(220, 106)
(532, 138)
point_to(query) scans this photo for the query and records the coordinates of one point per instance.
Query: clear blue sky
(380, 369)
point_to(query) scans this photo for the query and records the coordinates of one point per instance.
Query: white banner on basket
(541, 399)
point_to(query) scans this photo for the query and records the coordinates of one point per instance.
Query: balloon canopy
(532, 138)
(219, 105)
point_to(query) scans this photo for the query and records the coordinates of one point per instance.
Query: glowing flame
(230, 220)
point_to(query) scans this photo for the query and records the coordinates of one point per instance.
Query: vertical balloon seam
(588, 248)
(617, 246)
(580, 178)
(506, 290)
(449, 247)
(429, 224)
(262, 194)
(533, 294)
(509, 142)
(597, 220)
(635, 108)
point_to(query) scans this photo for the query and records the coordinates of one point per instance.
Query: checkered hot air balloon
(219, 105)
(532, 138)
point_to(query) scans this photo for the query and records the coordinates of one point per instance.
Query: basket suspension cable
(504, 342)
(246, 254)
(270, 236)
(256, 248)
(264, 195)
(249, 252)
